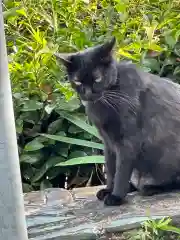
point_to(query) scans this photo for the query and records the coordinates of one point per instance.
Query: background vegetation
(55, 140)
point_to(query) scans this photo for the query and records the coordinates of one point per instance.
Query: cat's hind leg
(150, 190)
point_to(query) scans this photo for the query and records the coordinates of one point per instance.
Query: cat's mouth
(93, 98)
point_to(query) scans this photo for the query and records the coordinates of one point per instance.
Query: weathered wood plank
(61, 214)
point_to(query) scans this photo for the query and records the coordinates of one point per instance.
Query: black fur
(138, 117)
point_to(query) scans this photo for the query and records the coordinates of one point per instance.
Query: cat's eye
(98, 79)
(77, 83)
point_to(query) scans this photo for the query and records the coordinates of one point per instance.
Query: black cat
(137, 115)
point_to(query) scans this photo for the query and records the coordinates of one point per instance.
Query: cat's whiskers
(118, 99)
(122, 94)
(99, 99)
(109, 104)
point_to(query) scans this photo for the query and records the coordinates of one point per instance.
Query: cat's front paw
(101, 194)
(112, 200)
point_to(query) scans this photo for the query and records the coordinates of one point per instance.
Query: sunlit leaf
(83, 160)
(75, 141)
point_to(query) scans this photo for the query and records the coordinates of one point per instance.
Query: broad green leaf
(170, 229)
(68, 106)
(21, 12)
(27, 188)
(81, 124)
(74, 129)
(151, 63)
(31, 105)
(154, 47)
(55, 126)
(83, 160)
(84, 135)
(61, 149)
(17, 95)
(75, 154)
(52, 161)
(31, 157)
(11, 13)
(29, 117)
(34, 145)
(170, 40)
(75, 141)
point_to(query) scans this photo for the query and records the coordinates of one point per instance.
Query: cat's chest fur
(107, 121)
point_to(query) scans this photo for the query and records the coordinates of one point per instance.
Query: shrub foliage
(54, 137)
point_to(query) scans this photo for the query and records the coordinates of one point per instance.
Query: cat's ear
(64, 58)
(106, 50)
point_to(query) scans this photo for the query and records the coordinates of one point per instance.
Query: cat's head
(92, 70)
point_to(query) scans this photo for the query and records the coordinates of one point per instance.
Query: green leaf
(151, 63)
(73, 129)
(61, 149)
(29, 117)
(27, 188)
(84, 135)
(75, 141)
(11, 13)
(75, 154)
(55, 126)
(52, 161)
(177, 49)
(150, 30)
(31, 105)
(127, 54)
(153, 46)
(170, 40)
(68, 106)
(171, 229)
(49, 108)
(28, 171)
(83, 160)
(177, 71)
(34, 145)
(31, 158)
(19, 126)
(81, 124)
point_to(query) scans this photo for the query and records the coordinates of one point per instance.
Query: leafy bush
(147, 33)
(157, 230)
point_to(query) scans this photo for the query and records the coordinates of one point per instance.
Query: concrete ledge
(60, 214)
